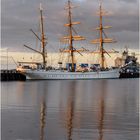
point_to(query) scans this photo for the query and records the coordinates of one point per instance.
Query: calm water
(70, 110)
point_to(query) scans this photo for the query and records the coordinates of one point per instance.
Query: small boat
(70, 72)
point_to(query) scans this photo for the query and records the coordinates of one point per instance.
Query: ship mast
(43, 42)
(42, 39)
(71, 38)
(101, 40)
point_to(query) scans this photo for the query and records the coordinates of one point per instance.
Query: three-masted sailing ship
(71, 72)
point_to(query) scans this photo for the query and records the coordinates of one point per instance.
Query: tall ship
(42, 71)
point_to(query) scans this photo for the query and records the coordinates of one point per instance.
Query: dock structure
(11, 75)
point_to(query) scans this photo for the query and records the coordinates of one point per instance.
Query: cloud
(20, 16)
(130, 1)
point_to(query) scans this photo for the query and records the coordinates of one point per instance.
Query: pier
(11, 75)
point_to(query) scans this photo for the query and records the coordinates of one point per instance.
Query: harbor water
(70, 110)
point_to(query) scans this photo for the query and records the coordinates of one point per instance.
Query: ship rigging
(102, 37)
(71, 37)
(42, 39)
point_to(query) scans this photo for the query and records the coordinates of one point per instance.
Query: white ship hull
(64, 75)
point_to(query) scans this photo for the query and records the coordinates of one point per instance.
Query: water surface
(70, 110)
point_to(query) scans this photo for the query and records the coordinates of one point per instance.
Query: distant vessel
(129, 65)
(96, 72)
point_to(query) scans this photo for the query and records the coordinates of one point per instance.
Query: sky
(19, 16)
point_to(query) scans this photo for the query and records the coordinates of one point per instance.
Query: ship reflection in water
(70, 115)
(43, 118)
(70, 110)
